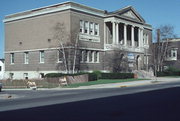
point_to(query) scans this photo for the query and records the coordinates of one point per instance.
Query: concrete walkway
(155, 80)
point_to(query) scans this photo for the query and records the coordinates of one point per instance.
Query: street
(157, 102)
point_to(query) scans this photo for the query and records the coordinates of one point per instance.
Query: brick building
(31, 50)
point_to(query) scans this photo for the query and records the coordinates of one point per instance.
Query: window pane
(12, 58)
(95, 57)
(96, 29)
(82, 56)
(86, 27)
(26, 57)
(90, 56)
(60, 55)
(81, 26)
(85, 56)
(91, 28)
(41, 56)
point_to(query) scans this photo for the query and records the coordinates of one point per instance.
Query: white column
(125, 35)
(117, 33)
(105, 33)
(132, 36)
(139, 37)
(142, 37)
(114, 33)
(88, 56)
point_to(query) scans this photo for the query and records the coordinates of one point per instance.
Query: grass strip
(101, 81)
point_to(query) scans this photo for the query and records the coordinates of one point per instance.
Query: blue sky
(155, 12)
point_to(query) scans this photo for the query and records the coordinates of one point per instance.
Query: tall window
(96, 57)
(85, 56)
(90, 56)
(60, 55)
(96, 29)
(0, 68)
(26, 58)
(82, 55)
(174, 52)
(147, 39)
(81, 26)
(86, 27)
(12, 58)
(91, 29)
(41, 56)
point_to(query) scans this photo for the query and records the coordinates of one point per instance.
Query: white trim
(47, 49)
(48, 10)
(83, 48)
(31, 50)
(113, 19)
(89, 38)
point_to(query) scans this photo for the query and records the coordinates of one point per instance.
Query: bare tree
(67, 46)
(164, 34)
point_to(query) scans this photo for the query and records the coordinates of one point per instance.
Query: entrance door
(138, 64)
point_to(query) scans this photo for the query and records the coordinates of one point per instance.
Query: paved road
(160, 102)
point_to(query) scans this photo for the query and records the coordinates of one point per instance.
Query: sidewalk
(155, 80)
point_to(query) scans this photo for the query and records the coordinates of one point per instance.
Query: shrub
(51, 75)
(98, 73)
(171, 71)
(116, 75)
(93, 76)
(168, 73)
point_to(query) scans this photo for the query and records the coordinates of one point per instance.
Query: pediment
(131, 13)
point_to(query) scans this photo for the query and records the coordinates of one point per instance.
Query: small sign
(131, 57)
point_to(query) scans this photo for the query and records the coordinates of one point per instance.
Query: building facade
(105, 40)
(173, 54)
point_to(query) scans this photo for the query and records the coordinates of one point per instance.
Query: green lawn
(101, 81)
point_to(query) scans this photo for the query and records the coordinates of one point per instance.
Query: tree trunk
(64, 56)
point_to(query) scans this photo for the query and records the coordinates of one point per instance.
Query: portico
(124, 34)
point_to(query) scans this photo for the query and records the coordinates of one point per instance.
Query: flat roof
(53, 8)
